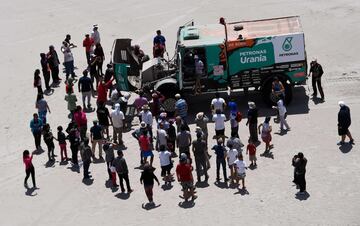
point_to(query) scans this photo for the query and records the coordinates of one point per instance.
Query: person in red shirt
(88, 44)
(251, 150)
(184, 176)
(81, 121)
(102, 90)
(29, 168)
(145, 148)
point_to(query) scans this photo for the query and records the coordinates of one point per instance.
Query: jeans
(117, 135)
(55, 73)
(46, 79)
(31, 171)
(87, 57)
(201, 166)
(50, 145)
(124, 176)
(317, 81)
(219, 162)
(283, 122)
(83, 132)
(86, 95)
(69, 69)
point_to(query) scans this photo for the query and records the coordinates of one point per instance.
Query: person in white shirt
(282, 115)
(218, 103)
(241, 167)
(69, 63)
(147, 117)
(199, 72)
(219, 120)
(117, 117)
(231, 158)
(161, 136)
(95, 35)
(165, 163)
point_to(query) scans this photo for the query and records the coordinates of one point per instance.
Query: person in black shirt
(299, 162)
(252, 122)
(49, 141)
(45, 70)
(99, 53)
(316, 71)
(54, 62)
(86, 157)
(61, 138)
(86, 88)
(147, 178)
(74, 139)
(103, 116)
(344, 122)
(96, 138)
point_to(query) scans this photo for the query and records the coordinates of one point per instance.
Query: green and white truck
(238, 55)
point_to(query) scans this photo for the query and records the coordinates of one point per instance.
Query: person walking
(122, 169)
(344, 122)
(316, 71)
(117, 118)
(42, 106)
(220, 152)
(86, 154)
(86, 89)
(29, 168)
(252, 121)
(185, 177)
(266, 134)
(36, 125)
(147, 178)
(96, 138)
(200, 154)
(54, 62)
(299, 162)
(45, 70)
(282, 115)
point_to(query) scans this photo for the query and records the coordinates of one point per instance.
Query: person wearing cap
(185, 177)
(199, 72)
(88, 43)
(299, 162)
(86, 88)
(252, 121)
(317, 72)
(200, 154)
(218, 103)
(118, 122)
(344, 122)
(53, 61)
(95, 35)
(282, 115)
(181, 107)
(147, 117)
(147, 178)
(86, 155)
(220, 152)
(122, 170)
(96, 138)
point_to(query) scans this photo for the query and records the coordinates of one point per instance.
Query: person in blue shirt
(181, 107)
(36, 125)
(220, 152)
(159, 45)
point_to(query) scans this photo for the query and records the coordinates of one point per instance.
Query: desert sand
(333, 179)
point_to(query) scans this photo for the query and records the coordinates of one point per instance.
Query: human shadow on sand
(222, 185)
(345, 148)
(202, 184)
(30, 191)
(186, 204)
(267, 154)
(123, 196)
(242, 192)
(74, 168)
(302, 197)
(88, 181)
(149, 206)
(38, 151)
(109, 184)
(167, 187)
(49, 164)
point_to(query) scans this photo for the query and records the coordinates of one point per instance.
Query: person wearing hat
(185, 177)
(96, 138)
(88, 43)
(181, 107)
(118, 122)
(252, 120)
(147, 117)
(95, 35)
(122, 170)
(220, 152)
(317, 72)
(344, 122)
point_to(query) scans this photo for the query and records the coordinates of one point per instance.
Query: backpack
(238, 116)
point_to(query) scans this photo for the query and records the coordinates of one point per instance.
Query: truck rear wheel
(169, 90)
(269, 98)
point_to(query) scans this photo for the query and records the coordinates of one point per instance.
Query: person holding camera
(299, 162)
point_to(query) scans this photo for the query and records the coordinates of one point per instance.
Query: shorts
(241, 175)
(187, 185)
(266, 138)
(220, 132)
(147, 154)
(343, 130)
(165, 170)
(252, 158)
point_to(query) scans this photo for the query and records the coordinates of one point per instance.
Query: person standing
(86, 155)
(235, 142)
(122, 170)
(88, 44)
(219, 119)
(299, 162)
(37, 81)
(183, 141)
(199, 72)
(54, 62)
(344, 122)
(147, 117)
(74, 139)
(42, 106)
(117, 118)
(317, 72)
(161, 137)
(201, 121)
(103, 116)
(159, 45)
(45, 70)
(49, 141)
(29, 168)
(96, 138)
(231, 158)
(95, 35)
(99, 53)
(102, 90)
(71, 99)
(61, 138)
(145, 148)
(69, 63)
(166, 164)
(251, 151)
(181, 107)
(81, 121)
(252, 121)
(147, 178)
(86, 88)
(36, 125)
(200, 154)
(218, 103)
(282, 115)
(139, 102)
(220, 152)
(266, 133)
(185, 177)
(241, 167)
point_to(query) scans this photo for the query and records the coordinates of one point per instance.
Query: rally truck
(237, 55)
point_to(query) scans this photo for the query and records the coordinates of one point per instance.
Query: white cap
(341, 103)
(177, 95)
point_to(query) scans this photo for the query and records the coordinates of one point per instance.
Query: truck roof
(205, 35)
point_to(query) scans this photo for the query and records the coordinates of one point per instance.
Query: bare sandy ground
(333, 179)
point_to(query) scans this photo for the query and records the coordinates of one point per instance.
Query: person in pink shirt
(29, 168)
(81, 121)
(140, 101)
(102, 90)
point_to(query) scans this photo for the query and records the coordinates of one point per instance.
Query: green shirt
(71, 99)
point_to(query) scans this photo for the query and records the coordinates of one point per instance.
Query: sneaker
(341, 143)
(352, 141)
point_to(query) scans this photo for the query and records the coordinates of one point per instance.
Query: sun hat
(251, 105)
(200, 115)
(341, 103)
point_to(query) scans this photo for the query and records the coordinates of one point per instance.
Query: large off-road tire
(169, 90)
